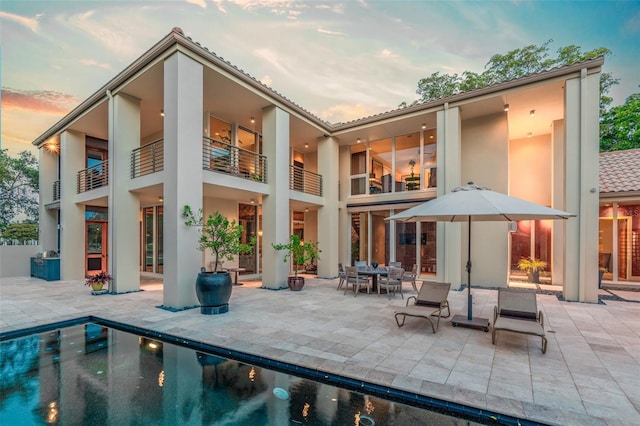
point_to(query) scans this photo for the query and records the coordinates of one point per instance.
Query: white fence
(15, 261)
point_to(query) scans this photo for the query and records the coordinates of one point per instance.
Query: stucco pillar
(559, 227)
(344, 217)
(449, 159)
(328, 220)
(48, 220)
(124, 206)
(183, 95)
(72, 227)
(275, 206)
(582, 195)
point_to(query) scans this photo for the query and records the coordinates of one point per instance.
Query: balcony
(147, 159)
(56, 190)
(93, 177)
(222, 157)
(305, 181)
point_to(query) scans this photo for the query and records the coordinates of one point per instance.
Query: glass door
(96, 247)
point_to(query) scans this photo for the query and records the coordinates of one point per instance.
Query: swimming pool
(101, 372)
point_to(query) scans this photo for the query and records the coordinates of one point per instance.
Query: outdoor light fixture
(162, 113)
(306, 209)
(253, 201)
(532, 112)
(424, 126)
(306, 145)
(253, 120)
(506, 107)
(529, 134)
(160, 198)
(358, 140)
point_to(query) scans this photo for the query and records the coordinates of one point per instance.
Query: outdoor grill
(46, 265)
(47, 253)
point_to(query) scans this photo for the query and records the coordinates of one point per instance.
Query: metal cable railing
(147, 159)
(305, 181)
(93, 177)
(222, 157)
(56, 190)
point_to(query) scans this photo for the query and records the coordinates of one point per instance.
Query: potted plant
(223, 238)
(97, 282)
(299, 252)
(532, 267)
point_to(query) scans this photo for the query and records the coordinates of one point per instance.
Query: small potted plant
(97, 282)
(532, 267)
(223, 238)
(299, 252)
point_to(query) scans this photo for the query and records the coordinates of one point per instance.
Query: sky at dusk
(340, 60)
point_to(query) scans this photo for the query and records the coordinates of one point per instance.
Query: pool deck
(590, 374)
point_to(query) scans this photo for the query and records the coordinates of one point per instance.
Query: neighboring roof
(176, 36)
(620, 171)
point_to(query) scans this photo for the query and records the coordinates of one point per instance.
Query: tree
(619, 126)
(18, 187)
(616, 124)
(22, 232)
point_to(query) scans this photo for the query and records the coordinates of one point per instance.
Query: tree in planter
(223, 238)
(218, 234)
(532, 267)
(300, 253)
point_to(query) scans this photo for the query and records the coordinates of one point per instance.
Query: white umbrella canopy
(475, 203)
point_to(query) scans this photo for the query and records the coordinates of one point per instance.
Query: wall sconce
(306, 209)
(52, 147)
(506, 107)
(424, 126)
(529, 134)
(253, 201)
(253, 120)
(162, 113)
(532, 112)
(358, 140)
(306, 145)
(160, 199)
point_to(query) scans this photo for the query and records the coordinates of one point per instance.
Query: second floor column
(48, 222)
(183, 97)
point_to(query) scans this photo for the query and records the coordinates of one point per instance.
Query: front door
(96, 247)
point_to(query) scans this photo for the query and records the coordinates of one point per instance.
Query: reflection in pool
(92, 374)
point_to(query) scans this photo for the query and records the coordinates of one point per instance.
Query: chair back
(395, 274)
(360, 264)
(520, 303)
(395, 264)
(432, 293)
(340, 269)
(351, 271)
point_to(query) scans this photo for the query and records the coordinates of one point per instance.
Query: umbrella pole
(469, 297)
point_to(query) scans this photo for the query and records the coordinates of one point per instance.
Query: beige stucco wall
(485, 157)
(530, 168)
(15, 261)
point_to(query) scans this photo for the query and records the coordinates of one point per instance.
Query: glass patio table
(374, 273)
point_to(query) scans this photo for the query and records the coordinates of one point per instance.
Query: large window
(248, 219)
(531, 239)
(619, 243)
(408, 161)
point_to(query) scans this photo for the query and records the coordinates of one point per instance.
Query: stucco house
(180, 126)
(619, 229)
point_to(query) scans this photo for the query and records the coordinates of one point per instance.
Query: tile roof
(620, 171)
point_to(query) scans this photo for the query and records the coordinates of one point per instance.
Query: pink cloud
(42, 101)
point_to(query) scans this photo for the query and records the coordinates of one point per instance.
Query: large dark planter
(295, 283)
(214, 291)
(534, 277)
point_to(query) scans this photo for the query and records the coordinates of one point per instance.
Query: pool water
(94, 374)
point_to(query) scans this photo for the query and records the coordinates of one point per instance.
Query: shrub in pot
(532, 267)
(223, 238)
(299, 253)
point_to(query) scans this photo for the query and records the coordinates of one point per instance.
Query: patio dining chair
(342, 275)
(430, 303)
(392, 282)
(410, 277)
(395, 264)
(356, 280)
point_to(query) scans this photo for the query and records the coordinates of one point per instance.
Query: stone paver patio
(590, 374)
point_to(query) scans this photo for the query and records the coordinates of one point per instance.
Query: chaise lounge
(517, 312)
(430, 303)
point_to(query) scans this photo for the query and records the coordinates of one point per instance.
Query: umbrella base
(464, 321)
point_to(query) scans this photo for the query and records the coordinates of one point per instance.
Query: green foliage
(18, 186)
(619, 126)
(218, 234)
(531, 264)
(299, 252)
(22, 232)
(99, 278)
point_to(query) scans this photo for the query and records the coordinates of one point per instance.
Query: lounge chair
(517, 311)
(430, 303)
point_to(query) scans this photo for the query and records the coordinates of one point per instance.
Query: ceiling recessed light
(506, 107)
(529, 134)
(532, 112)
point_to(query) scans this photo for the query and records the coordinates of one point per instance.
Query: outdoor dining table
(373, 273)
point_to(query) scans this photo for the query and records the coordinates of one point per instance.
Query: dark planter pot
(600, 275)
(534, 277)
(295, 283)
(214, 291)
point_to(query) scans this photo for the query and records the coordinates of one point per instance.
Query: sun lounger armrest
(541, 318)
(409, 299)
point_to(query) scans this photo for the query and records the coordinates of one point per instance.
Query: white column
(124, 205)
(559, 227)
(183, 95)
(275, 206)
(48, 221)
(449, 235)
(72, 227)
(582, 195)
(328, 219)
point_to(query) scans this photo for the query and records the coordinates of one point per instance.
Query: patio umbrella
(474, 203)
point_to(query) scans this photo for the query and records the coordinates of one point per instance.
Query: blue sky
(338, 59)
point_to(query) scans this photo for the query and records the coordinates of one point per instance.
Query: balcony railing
(147, 159)
(56, 190)
(305, 181)
(93, 177)
(219, 156)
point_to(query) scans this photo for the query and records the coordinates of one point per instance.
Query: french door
(96, 247)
